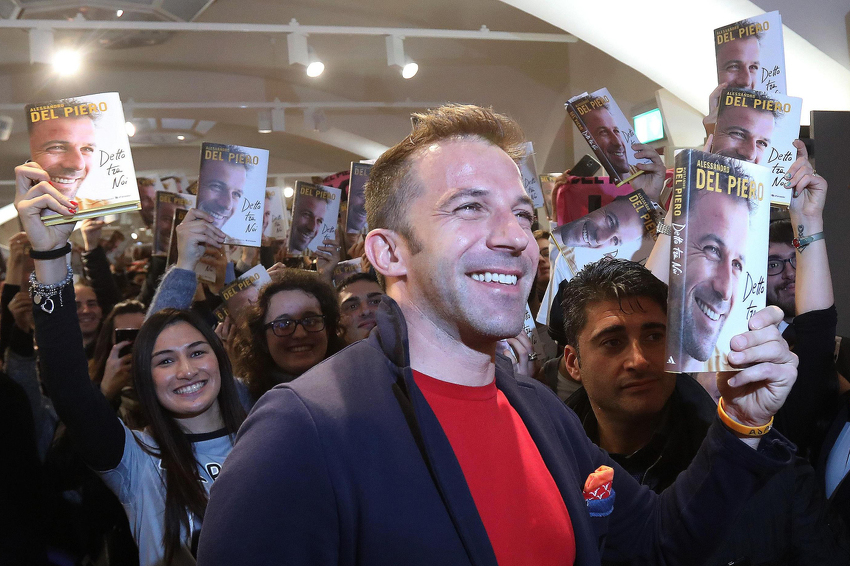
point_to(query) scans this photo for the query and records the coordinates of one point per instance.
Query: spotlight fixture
(67, 62)
(181, 138)
(315, 119)
(288, 192)
(134, 235)
(278, 120)
(301, 54)
(397, 58)
(264, 121)
(41, 45)
(119, 13)
(128, 117)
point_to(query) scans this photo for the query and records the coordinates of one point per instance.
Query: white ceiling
(528, 80)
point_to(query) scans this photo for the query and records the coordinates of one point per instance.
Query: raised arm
(177, 288)
(814, 282)
(91, 422)
(96, 266)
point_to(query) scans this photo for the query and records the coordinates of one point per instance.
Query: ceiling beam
(293, 27)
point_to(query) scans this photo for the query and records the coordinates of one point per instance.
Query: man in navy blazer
(365, 459)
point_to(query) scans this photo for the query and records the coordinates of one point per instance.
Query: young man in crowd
(407, 447)
(652, 423)
(359, 296)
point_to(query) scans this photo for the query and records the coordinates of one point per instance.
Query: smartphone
(125, 334)
(586, 167)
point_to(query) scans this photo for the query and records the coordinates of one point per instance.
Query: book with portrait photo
(760, 128)
(530, 179)
(625, 228)
(355, 218)
(275, 215)
(315, 212)
(82, 144)
(718, 257)
(231, 189)
(751, 54)
(607, 131)
(166, 203)
(179, 215)
(245, 290)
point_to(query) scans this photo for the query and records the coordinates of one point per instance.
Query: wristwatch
(801, 243)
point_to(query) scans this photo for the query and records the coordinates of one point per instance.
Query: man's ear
(572, 363)
(387, 251)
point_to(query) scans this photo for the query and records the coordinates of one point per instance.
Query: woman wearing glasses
(293, 326)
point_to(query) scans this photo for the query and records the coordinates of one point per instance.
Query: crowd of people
(374, 420)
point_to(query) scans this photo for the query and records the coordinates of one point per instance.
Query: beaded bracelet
(750, 432)
(42, 295)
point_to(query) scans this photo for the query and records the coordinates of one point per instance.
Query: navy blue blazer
(348, 465)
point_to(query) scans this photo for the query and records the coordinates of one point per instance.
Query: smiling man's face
(607, 134)
(65, 148)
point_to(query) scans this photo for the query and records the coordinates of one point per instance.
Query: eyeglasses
(775, 266)
(286, 326)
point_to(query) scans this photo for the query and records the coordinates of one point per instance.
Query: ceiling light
(41, 45)
(134, 235)
(131, 129)
(67, 62)
(315, 69)
(278, 120)
(397, 58)
(301, 54)
(409, 70)
(181, 138)
(119, 13)
(264, 121)
(288, 192)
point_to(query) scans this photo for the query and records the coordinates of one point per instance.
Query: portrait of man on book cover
(720, 286)
(82, 144)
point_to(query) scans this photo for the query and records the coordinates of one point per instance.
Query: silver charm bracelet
(42, 295)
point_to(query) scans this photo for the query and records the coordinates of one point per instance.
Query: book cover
(245, 290)
(275, 215)
(315, 212)
(624, 228)
(166, 204)
(179, 215)
(718, 257)
(547, 185)
(82, 143)
(176, 182)
(607, 131)
(355, 218)
(760, 128)
(751, 54)
(530, 329)
(231, 189)
(346, 268)
(530, 180)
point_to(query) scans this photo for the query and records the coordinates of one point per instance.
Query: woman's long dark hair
(106, 338)
(253, 361)
(184, 491)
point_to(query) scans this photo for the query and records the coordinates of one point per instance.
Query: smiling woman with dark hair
(181, 374)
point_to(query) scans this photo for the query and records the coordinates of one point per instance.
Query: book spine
(682, 180)
(600, 155)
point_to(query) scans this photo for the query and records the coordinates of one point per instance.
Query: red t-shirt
(517, 499)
